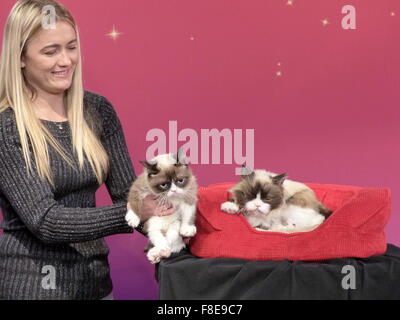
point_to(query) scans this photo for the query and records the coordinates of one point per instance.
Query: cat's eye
(164, 186)
(180, 181)
(240, 194)
(265, 195)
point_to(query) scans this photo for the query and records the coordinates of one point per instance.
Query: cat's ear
(279, 179)
(180, 158)
(151, 167)
(246, 172)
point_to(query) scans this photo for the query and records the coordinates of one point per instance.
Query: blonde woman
(58, 145)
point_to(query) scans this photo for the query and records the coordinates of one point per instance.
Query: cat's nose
(258, 205)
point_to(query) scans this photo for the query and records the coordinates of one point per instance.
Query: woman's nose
(64, 59)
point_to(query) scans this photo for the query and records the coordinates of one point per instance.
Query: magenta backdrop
(331, 117)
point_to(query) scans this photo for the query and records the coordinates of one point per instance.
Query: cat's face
(259, 197)
(170, 182)
(168, 178)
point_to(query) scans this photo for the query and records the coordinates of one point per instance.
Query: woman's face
(50, 59)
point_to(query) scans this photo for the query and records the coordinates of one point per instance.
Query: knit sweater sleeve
(33, 200)
(121, 174)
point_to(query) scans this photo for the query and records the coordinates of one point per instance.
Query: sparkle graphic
(114, 34)
(392, 14)
(325, 22)
(191, 38)
(279, 73)
(279, 64)
(289, 3)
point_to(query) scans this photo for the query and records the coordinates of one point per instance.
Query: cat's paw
(188, 231)
(230, 207)
(165, 252)
(132, 219)
(154, 255)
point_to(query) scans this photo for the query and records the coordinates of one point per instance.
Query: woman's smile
(51, 58)
(61, 74)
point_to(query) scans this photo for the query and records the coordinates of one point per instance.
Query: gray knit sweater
(52, 246)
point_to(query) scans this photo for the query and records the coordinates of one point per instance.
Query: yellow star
(289, 2)
(325, 22)
(279, 73)
(114, 34)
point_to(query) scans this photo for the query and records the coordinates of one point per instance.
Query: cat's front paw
(132, 219)
(230, 207)
(156, 254)
(165, 252)
(188, 231)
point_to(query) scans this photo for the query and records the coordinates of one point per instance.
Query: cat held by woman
(171, 181)
(271, 202)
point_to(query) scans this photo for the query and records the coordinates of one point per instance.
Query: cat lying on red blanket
(270, 201)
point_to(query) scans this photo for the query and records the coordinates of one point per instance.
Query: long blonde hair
(24, 21)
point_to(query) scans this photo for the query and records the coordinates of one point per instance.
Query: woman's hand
(151, 207)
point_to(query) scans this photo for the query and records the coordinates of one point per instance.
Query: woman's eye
(50, 53)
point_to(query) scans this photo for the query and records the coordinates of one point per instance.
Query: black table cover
(184, 276)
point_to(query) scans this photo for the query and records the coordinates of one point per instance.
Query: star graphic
(289, 3)
(279, 73)
(392, 14)
(325, 22)
(114, 34)
(279, 64)
(191, 38)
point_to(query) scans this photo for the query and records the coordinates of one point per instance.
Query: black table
(184, 276)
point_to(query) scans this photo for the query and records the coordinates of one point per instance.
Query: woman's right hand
(150, 208)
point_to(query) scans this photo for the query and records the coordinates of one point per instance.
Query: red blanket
(355, 229)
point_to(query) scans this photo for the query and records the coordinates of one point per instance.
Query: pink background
(332, 117)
